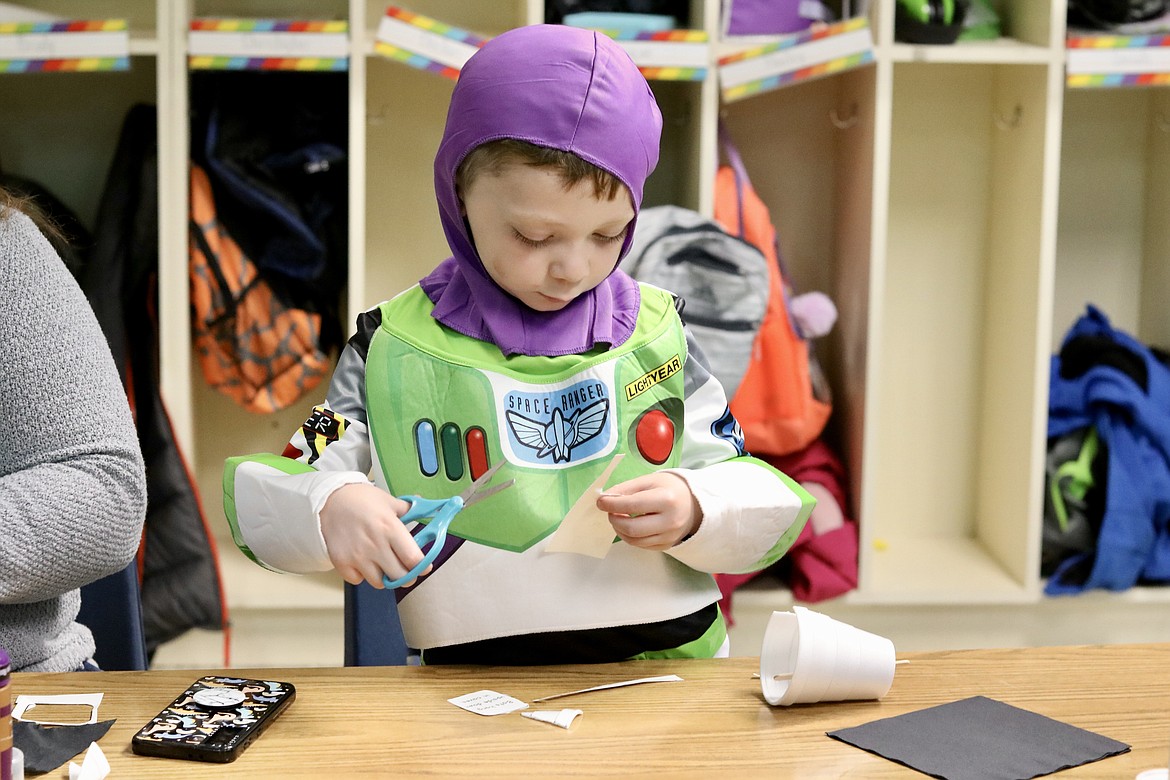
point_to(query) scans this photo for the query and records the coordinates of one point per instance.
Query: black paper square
(980, 739)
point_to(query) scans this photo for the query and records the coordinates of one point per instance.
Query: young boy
(528, 347)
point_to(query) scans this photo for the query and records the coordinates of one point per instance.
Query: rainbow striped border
(813, 71)
(64, 64)
(827, 67)
(269, 25)
(1116, 41)
(415, 60)
(674, 74)
(74, 25)
(76, 64)
(1117, 79)
(422, 60)
(268, 63)
(663, 36)
(435, 26)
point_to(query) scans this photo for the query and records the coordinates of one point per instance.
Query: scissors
(442, 511)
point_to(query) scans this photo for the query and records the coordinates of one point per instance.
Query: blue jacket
(1124, 390)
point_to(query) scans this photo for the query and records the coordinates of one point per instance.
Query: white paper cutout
(94, 767)
(488, 703)
(586, 529)
(563, 718)
(663, 678)
(26, 703)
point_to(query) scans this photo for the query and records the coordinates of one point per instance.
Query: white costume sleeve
(751, 512)
(273, 503)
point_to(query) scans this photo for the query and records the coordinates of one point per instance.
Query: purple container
(5, 717)
(769, 17)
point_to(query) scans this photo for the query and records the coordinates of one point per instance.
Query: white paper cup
(809, 657)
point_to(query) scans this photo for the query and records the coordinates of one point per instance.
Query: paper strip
(586, 529)
(663, 678)
(64, 46)
(488, 703)
(289, 43)
(24, 703)
(562, 718)
(1117, 60)
(797, 57)
(680, 55)
(425, 43)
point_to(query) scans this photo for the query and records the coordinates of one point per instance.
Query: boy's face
(541, 243)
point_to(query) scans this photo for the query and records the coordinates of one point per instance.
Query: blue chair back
(112, 609)
(373, 634)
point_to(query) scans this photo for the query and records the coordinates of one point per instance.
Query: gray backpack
(721, 279)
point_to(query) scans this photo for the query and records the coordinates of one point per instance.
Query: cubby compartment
(1113, 242)
(220, 427)
(1029, 29)
(808, 149)
(956, 397)
(60, 130)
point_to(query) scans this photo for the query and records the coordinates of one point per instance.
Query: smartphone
(214, 719)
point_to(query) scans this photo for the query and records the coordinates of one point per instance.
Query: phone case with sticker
(214, 719)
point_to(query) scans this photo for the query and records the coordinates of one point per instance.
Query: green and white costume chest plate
(443, 407)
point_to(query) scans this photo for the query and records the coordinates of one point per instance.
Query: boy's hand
(365, 537)
(654, 512)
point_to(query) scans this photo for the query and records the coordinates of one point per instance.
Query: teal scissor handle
(441, 511)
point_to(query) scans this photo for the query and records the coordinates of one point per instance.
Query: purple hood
(565, 88)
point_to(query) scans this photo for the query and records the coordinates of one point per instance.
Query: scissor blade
(482, 480)
(486, 492)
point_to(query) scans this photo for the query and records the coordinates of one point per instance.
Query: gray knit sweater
(72, 483)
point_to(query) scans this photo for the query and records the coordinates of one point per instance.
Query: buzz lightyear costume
(453, 375)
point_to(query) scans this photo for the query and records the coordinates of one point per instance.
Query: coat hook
(1012, 122)
(846, 122)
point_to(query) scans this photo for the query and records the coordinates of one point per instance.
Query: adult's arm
(72, 480)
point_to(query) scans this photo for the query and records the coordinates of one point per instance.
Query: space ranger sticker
(557, 425)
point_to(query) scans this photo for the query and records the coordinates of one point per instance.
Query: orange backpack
(776, 404)
(255, 348)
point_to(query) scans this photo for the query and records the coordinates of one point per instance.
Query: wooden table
(396, 721)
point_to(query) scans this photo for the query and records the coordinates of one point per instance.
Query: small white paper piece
(94, 767)
(26, 703)
(663, 678)
(563, 718)
(586, 529)
(488, 703)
